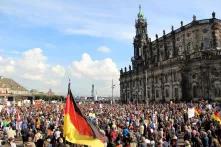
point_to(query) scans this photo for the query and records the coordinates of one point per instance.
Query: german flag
(216, 117)
(197, 111)
(77, 129)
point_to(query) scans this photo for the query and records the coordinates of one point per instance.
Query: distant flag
(197, 111)
(216, 117)
(77, 129)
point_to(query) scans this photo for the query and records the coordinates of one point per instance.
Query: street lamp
(112, 88)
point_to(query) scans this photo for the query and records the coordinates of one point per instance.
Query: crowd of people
(123, 125)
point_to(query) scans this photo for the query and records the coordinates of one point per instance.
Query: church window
(148, 93)
(195, 91)
(156, 80)
(167, 93)
(188, 34)
(202, 46)
(157, 93)
(140, 51)
(188, 45)
(166, 78)
(176, 92)
(217, 91)
(194, 76)
(205, 30)
(178, 39)
(175, 76)
(206, 43)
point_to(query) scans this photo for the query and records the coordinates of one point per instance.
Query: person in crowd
(30, 143)
(11, 142)
(11, 133)
(127, 125)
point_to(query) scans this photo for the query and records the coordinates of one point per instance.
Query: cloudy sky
(43, 43)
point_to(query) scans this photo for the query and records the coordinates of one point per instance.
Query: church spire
(140, 14)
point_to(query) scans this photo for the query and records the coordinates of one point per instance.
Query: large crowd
(123, 125)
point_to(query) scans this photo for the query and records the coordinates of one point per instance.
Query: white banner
(191, 112)
(19, 103)
(1, 107)
(8, 103)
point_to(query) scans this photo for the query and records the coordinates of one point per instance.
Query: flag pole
(69, 85)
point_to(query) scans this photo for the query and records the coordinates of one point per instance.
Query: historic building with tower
(182, 64)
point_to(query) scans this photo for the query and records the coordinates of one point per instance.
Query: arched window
(217, 88)
(166, 79)
(195, 91)
(202, 46)
(148, 93)
(219, 91)
(157, 93)
(167, 93)
(176, 93)
(216, 91)
(188, 46)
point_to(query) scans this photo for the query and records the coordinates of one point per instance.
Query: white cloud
(6, 66)
(103, 49)
(32, 70)
(104, 69)
(33, 64)
(89, 71)
(58, 70)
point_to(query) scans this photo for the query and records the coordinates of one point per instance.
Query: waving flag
(77, 129)
(216, 117)
(197, 111)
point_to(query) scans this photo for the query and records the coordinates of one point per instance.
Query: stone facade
(183, 64)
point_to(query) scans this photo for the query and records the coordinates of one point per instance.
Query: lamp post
(112, 88)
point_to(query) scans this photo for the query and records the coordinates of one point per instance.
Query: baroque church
(181, 65)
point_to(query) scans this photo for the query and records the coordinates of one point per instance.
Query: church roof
(189, 25)
(140, 14)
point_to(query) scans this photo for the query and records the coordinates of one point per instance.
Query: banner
(191, 112)
(1, 107)
(8, 103)
(19, 103)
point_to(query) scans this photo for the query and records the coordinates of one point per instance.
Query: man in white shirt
(11, 133)
(57, 134)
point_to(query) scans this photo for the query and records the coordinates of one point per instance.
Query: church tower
(140, 41)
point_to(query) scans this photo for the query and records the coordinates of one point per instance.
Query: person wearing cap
(174, 141)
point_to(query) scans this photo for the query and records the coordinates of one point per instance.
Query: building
(183, 64)
(10, 87)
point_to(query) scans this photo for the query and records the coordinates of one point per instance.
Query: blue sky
(63, 38)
